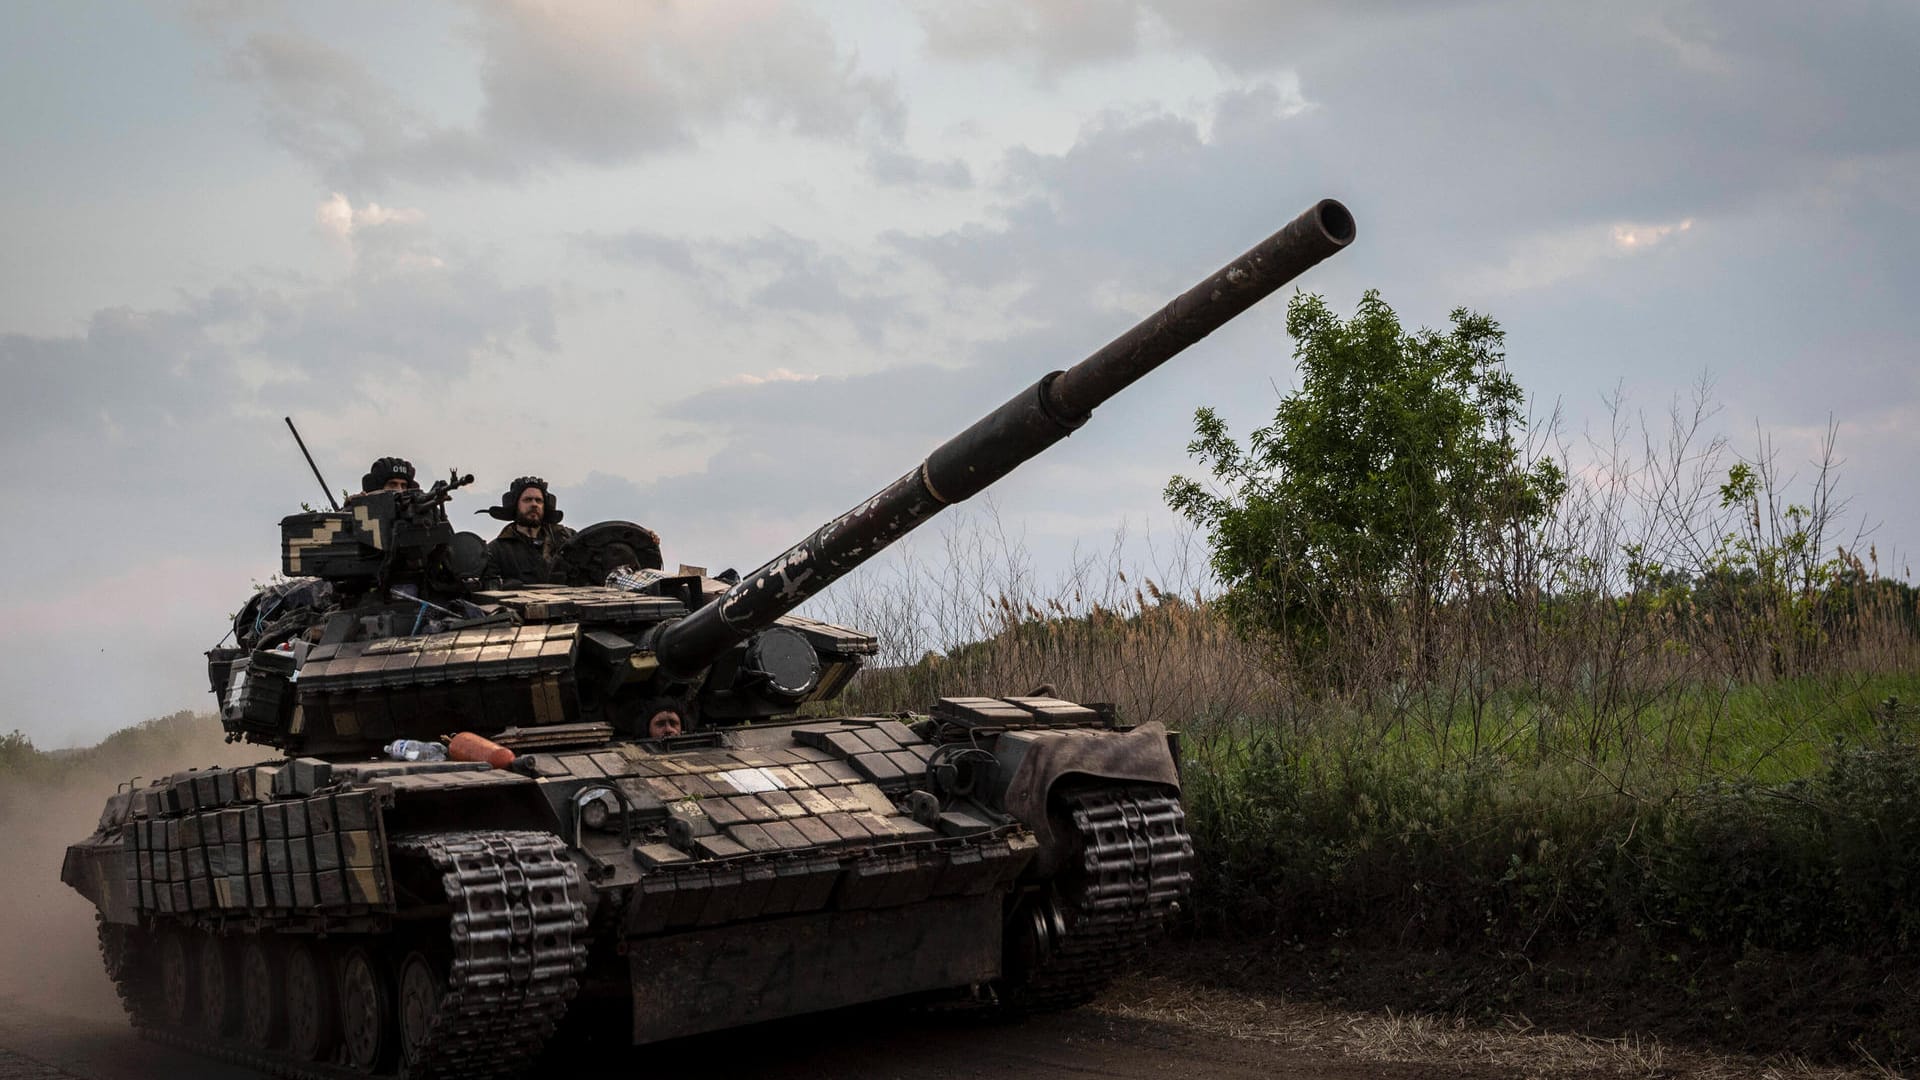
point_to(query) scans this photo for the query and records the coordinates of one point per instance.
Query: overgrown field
(1450, 680)
(1616, 779)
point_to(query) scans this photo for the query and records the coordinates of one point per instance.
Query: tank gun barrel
(1000, 442)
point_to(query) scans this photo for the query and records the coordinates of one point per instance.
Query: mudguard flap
(97, 868)
(1039, 759)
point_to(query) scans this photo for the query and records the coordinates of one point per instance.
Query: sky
(727, 268)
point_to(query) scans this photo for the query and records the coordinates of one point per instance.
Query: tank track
(518, 944)
(123, 953)
(1134, 871)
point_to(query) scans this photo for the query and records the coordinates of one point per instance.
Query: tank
(663, 832)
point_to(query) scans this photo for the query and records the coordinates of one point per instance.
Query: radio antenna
(324, 489)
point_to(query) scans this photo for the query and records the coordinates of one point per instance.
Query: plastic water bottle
(415, 750)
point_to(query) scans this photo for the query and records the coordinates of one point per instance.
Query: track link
(519, 944)
(517, 941)
(1135, 868)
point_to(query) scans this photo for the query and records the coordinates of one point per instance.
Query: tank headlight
(786, 660)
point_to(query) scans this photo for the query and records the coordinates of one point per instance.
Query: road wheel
(421, 985)
(312, 1023)
(368, 1023)
(179, 994)
(263, 1016)
(215, 974)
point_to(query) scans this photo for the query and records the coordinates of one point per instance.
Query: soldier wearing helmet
(525, 551)
(387, 474)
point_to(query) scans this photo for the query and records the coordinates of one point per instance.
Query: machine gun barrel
(1031, 421)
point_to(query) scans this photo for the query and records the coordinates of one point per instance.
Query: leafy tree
(1394, 475)
(1767, 582)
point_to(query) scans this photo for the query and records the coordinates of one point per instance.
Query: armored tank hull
(438, 919)
(655, 827)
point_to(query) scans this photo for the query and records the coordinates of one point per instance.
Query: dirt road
(36, 1045)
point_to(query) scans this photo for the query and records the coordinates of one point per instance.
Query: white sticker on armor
(751, 781)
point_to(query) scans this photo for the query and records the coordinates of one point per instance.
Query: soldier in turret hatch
(525, 552)
(387, 474)
(663, 719)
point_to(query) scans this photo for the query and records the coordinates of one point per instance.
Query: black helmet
(509, 508)
(385, 469)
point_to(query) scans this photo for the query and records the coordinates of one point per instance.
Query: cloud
(776, 375)
(1137, 207)
(153, 432)
(1545, 260)
(1642, 237)
(1536, 113)
(337, 217)
(776, 272)
(141, 399)
(1080, 244)
(598, 83)
(1053, 37)
(895, 167)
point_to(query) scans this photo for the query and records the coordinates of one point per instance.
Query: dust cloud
(49, 957)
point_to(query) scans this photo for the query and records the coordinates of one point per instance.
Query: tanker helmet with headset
(388, 471)
(509, 508)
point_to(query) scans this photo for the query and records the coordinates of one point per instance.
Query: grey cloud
(160, 466)
(605, 89)
(1054, 37)
(435, 321)
(567, 84)
(1457, 147)
(1135, 204)
(637, 246)
(329, 110)
(121, 406)
(777, 272)
(1095, 238)
(1794, 280)
(895, 167)
(1526, 115)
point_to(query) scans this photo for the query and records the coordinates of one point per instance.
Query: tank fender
(96, 868)
(1034, 761)
(494, 799)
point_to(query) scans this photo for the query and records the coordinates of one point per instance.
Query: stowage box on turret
(661, 831)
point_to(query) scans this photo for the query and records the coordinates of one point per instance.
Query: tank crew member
(663, 724)
(387, 474)
(662, 718)
(524, 552)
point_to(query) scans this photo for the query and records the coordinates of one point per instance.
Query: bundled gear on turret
(280, 610)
